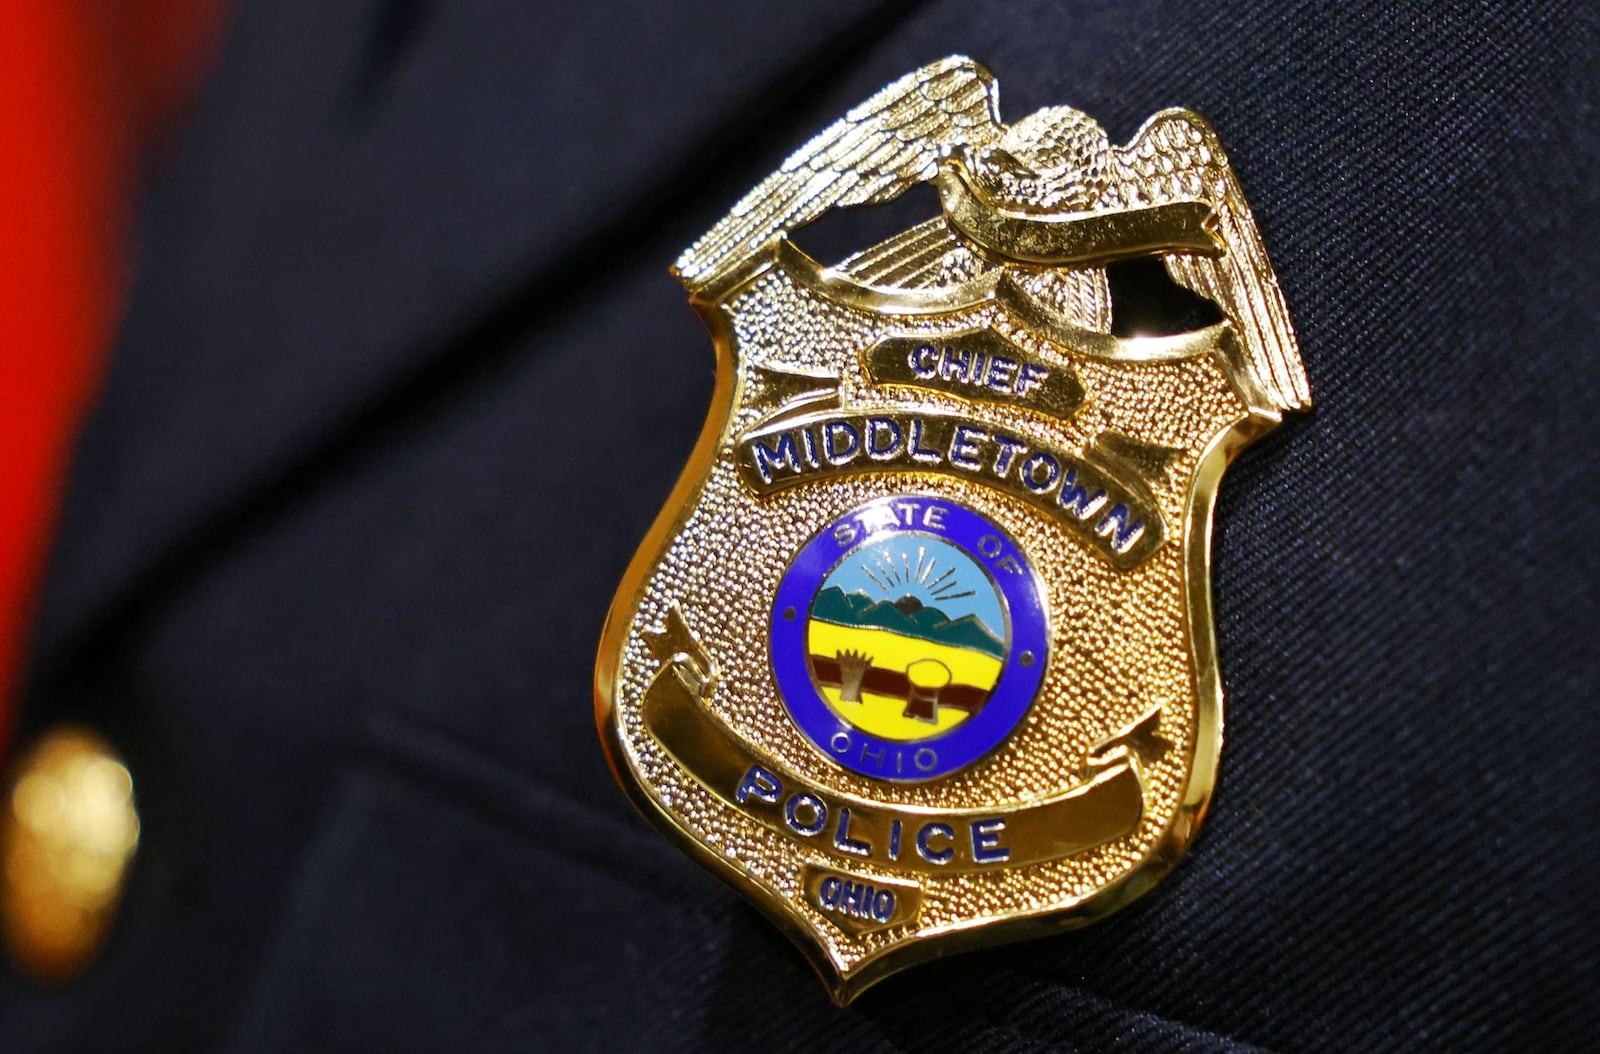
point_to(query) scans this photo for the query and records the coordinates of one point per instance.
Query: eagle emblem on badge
(919, 656)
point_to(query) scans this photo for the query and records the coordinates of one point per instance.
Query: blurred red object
(86, 89)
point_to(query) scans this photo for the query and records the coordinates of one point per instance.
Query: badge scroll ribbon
(1104, 805)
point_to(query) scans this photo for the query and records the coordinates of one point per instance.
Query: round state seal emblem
(908, 638)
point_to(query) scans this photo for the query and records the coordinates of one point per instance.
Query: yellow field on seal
(883, 715)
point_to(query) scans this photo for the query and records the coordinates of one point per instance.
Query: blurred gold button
(67, 835)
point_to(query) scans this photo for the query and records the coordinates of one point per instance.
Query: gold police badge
(919, 656)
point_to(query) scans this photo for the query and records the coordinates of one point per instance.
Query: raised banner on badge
(919, 655)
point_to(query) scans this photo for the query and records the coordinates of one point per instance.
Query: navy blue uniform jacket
(405, 379)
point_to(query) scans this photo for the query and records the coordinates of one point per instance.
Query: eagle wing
(875, 152)
(1176, 157)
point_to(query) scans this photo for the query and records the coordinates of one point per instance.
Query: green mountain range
(907, 617)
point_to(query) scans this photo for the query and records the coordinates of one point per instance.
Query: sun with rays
(900, 579)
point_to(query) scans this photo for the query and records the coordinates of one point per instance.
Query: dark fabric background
(405, 380)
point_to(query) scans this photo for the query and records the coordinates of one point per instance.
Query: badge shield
(920, 654)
